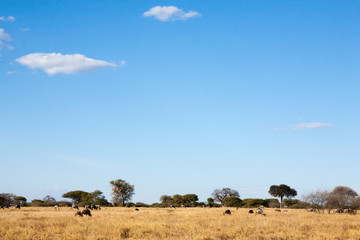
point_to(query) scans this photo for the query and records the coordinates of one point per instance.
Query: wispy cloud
(54, 63)
(7, 19)
(4, 37)
(170, 13)
(302, 126)
(25, 29)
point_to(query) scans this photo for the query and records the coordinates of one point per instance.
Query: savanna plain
(164, 223)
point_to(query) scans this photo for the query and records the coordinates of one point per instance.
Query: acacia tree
(165, 199)
(317, 200)
(20, 200)
(76, 196)
(341, 197)
(49, 199)
(122, 191)
(282, 191)
(220, 194)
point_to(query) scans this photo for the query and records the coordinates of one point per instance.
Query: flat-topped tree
(220, 194)
(76, 196)
(282, 191)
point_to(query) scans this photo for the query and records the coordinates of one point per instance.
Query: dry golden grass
(148, 223)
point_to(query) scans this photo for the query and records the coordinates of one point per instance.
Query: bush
(232, 202)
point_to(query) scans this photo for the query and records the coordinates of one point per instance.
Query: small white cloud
(24, 29)
(4, 36)
(54, 63)
(11, 72)
(301, 126)
(122, 63)
(7, 19)
(168, 13)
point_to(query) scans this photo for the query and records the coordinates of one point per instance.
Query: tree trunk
(281, 198)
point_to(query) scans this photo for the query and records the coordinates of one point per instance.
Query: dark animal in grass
(17, 206)
(86, 212)
(98, 207)
(277, 210)
(227, 212)
(78, 213)
(2, 207)
(136, 209)
(251, 211)
(172, 206)
(74, 206)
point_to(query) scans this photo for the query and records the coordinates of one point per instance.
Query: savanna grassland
(159, 223)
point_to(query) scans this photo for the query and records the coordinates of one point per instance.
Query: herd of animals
(259, 210)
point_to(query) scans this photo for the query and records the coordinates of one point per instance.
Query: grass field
(191, 223)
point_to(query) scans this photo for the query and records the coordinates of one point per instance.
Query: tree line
(340, 197)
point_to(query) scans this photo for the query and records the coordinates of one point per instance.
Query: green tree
(20, 200)
(165, 199)
(122, 191)
(232, 202)
(77, 196)
(98, 198)
(220, 194)
(177, 199)
(282, 191)
(190, 199)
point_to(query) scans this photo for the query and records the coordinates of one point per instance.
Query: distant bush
(232, 202)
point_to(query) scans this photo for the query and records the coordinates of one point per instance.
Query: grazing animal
(86, 212)
(340, 210)
(172, 206)
(260, 211)
(227, 212)
(74, 206)
(311, 210)
(350, 210)
(7, 206)
(18, 206)
(88, 207)
(2, 207)
(78, 213)
(251, 211)
(183, 206)
(277, 210)
(136, 209)
(56, 207)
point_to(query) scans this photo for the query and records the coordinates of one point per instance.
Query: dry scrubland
(149, 223)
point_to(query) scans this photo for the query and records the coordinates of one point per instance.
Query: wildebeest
(136, 209)
(17, 206)
(277, 210)
(250, 211)
(172, 206)
(88, 207)
(340, 210)
(350, 210)
(311, 210)
(56, 207)
(260, 211)
(86, 212)
(227, 212)
(78, 213)
(2, 207)
(74, 206)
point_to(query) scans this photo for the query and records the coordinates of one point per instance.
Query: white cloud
(54, 63)
(167, 13)
(24, 29)
(9, 18)
(122, 63)
(4, 37)
(301, 126)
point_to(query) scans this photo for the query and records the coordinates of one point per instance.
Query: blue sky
(178, 96)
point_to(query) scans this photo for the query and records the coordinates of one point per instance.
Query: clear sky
(179, 97)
